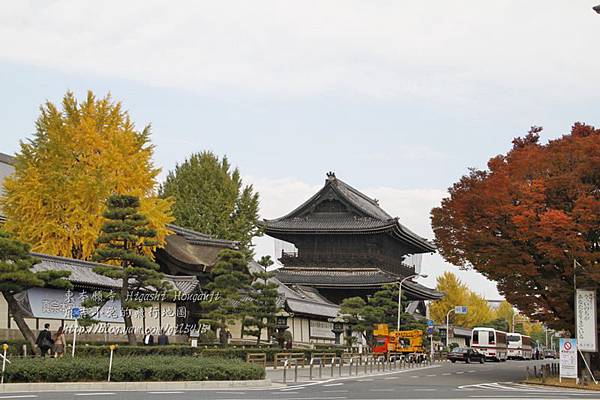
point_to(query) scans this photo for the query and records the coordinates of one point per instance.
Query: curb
(132, 386)
(545, 384)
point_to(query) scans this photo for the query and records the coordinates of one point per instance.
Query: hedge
(130, 369)
(229, 352)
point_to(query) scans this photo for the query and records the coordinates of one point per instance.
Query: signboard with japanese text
(568, 358)
(586, 322)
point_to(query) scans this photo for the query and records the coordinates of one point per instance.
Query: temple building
(347, 245)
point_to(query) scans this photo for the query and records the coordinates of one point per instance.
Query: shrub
(130, 369)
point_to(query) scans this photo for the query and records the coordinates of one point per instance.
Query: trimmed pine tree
(125, 235)
(16, 276)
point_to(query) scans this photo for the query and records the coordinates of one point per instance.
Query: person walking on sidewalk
(59, 343)
(44, 340)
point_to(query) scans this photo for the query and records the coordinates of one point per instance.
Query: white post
(399, 304)
(448, 329)
(431, 350)
(4, 348)
(112, 349)
(74, 338)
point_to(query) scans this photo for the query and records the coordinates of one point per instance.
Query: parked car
(466, 354)
(549, 354)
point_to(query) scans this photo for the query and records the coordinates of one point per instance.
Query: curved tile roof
(82, 273)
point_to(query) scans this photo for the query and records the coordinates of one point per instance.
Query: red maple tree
(525, 219)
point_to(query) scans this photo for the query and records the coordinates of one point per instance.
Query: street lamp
(400, 295)
(448, 327)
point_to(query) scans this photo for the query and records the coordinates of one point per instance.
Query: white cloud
(433, 49)
(411, 206)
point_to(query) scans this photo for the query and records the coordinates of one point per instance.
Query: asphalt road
(444, 381)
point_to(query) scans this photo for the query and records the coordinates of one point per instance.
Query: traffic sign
(430, 330)
(461, 309)
(429, 322)
(75, 312)
(568, 358)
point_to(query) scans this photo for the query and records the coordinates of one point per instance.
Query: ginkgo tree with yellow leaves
(457, 293)
(80, 154)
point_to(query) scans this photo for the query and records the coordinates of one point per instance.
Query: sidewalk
(133, 386)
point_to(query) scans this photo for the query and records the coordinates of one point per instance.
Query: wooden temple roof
(339, 278)
(83, 275)
(362, 215)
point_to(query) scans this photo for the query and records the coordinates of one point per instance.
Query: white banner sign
(585, 317)
(568, 358)
(321, 329)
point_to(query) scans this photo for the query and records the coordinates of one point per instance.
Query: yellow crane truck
(406, 344)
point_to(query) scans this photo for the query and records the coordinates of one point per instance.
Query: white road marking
(333, 384)
(95, 394)
(391, 377)
(430, 376)
(365, 380)
(334, 391)
(424, 390)
(460, 372)
(165, 392)
(19, 396)
(231, 392)
(383, 390)
(447, 374)
(414, 376)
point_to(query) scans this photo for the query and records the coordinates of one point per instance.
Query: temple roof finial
(331, 176)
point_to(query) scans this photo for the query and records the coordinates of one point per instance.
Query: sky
(398, 98)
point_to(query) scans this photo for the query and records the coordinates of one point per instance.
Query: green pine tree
(381, 308)
(211, 198)
(16, 276)
(263, 305)
(124, 236)
(230, 280)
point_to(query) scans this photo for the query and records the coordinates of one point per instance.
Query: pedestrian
(44, 340)
(148, 338)
(163, 339)
(59, 343)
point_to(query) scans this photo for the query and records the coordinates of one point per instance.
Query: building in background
(346, 245)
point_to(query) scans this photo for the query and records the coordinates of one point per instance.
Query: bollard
(112, 350)
(535, 371)
(350, 366)
(320, 368)
(340, 366)
(372, 361)
(357, 368)
(527, 373)
(542, 374)
(332, 366)
(310, 368)
(296, 371)
(24, 350)
(366, 364)
(285, 372)
(4, 351)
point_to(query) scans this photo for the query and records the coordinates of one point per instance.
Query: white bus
(490, 342)
(519, 346)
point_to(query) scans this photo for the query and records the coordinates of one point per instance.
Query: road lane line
(95, 394)
(447, 374)
(165, 392)
(19, 396)
(333, 384)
